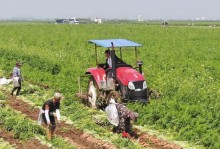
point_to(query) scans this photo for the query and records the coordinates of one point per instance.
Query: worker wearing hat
(17, 78)
(48, 109)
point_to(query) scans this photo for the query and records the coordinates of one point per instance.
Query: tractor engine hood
(127, 74)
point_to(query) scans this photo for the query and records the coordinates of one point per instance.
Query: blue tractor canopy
(118, 43)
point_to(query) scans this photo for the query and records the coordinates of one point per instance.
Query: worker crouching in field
(47, 114)
(120, 116)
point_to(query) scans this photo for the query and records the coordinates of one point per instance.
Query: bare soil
(75, 136)
(33, 143)
(151, 141)
(83, 140)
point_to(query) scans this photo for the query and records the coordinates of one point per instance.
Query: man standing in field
(17, 78)
(47, 114)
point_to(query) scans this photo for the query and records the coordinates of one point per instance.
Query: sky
(110, 9)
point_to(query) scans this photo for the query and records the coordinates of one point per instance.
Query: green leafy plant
(182, 63)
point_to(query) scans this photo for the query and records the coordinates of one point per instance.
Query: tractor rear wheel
(96, 98)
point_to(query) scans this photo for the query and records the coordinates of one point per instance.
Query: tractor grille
(137, 95)
(138, 84)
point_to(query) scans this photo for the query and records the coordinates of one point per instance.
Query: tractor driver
(108, 64)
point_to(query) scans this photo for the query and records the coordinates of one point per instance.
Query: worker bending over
(47, 114)
(125, 116)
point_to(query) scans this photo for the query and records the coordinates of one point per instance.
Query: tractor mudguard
(98, 74)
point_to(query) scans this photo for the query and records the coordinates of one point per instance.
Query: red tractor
(124, 82)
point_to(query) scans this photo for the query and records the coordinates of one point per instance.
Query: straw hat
(58, 96)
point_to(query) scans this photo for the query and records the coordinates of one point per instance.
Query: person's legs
(128, 128)
(53, 124)
(51, 128)
(121, 125)
(47, 129)
(13, 90)
(18, 88)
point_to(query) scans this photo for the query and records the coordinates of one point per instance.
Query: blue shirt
(16, 72)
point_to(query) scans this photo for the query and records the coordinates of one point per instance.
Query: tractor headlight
(144, 85)
(131, 86)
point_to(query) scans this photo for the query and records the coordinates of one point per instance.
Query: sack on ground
(112, 114)
(4, 81)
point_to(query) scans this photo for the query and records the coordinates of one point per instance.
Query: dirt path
(75, 136)
(33, 143)
(151, 141)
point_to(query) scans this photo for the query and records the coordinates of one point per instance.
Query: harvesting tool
(126, 83)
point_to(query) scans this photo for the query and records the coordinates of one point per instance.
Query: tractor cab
(114, 78)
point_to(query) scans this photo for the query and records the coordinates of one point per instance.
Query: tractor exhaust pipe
(140, 63)
(113, 61)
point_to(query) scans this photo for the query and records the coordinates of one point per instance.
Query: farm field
(181, 63)
(94, 125)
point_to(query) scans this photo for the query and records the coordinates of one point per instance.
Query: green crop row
(24, 129)
(4, 144)
(33, 61)
(21, 127)
(182, 63)
(80, 116)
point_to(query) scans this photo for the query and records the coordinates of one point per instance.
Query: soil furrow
(147, 140)
(33, 143)
(85, 141)
(75, 136)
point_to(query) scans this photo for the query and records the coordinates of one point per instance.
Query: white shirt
(109, 61)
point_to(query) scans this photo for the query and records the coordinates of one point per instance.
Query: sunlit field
(182, 63)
